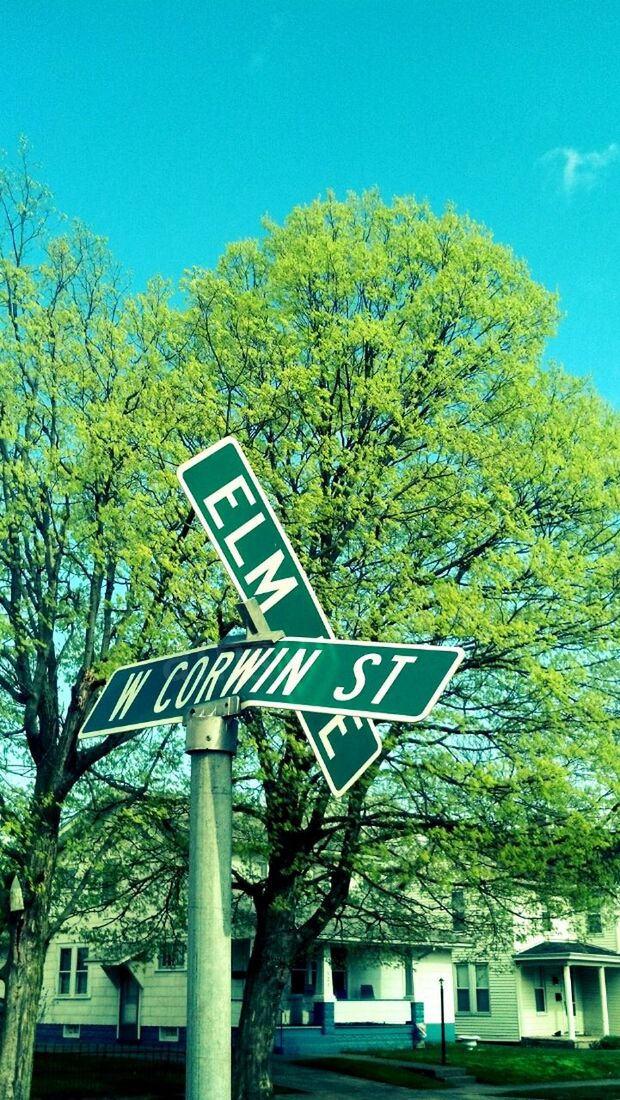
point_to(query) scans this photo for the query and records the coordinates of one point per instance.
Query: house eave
(581, 959)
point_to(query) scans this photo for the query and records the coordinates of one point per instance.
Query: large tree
(91, 537)
(384, 369)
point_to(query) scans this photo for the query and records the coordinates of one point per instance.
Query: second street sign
(259, 559)
(385, 682)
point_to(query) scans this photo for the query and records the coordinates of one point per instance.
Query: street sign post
(259, 559)
(337, 688)
(386, 682)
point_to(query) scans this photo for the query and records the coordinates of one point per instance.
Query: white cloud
(579, 171)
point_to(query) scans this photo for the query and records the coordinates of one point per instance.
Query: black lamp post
(443, 1022)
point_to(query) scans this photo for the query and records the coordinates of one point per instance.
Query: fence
(118, 1050)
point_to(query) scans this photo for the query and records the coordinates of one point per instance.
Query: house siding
(502, 1022)
(164, 998)
(99, 1006)
(612, 978)
(376, 1011)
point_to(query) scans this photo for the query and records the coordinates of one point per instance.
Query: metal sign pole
(211, 743)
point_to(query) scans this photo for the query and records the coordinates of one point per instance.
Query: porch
(353, 985)
(568, 991)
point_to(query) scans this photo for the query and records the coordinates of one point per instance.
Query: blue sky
(171, 128)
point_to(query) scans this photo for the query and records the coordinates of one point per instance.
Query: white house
(346, 995)
(561, 981)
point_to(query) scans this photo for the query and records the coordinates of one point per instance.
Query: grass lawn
(86, 1076)
(505, 1065)
(374, 1071)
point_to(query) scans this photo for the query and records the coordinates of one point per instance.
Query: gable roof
(567, 951)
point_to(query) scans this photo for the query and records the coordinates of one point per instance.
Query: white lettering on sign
(294, 672)
(227, 492)
(161, 703)
(135, 682)
(236, 536)
(360, 678)
(279, 588)
(338, 722)
(249, 661)
(191, 682)
(399, 663)
(221, 663)
(270, 667)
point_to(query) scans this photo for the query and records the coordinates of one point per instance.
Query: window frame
(177, 949)
(594, 922)
(470, 994)
(169, 1038)
(463, 991)
(482, 989)
(541, 988)
(76, 975)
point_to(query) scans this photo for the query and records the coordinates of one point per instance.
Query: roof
(567, 950)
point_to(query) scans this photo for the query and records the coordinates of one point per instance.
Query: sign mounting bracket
(257, 630)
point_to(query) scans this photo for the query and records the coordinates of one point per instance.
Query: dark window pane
(482, 1000)
(462, 1000)
(458, 910)
(240, 957)
(172, 956)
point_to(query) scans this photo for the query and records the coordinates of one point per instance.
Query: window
(73, 972)
(463, 1001)
(595, 922)
(540, 999)
(240, 958)
(458, 910)
(171, 956)
(70, 1031)
(546, 921)
(472, 987)
(168, 1034)
(481, 971)
(303, 975)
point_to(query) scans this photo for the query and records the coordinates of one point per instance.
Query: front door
(129, 1008)
(577, 1006)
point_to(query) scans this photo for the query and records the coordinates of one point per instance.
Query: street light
(443, 1023)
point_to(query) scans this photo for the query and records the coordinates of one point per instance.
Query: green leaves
(383, 367)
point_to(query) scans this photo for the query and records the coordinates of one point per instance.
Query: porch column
(568, 1000)
(324, 999)
(324, 980)
(602, 985)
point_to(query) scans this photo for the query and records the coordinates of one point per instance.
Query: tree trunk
(270, 962)
(29, 938)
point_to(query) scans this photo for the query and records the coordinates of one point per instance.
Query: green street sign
(261, 563)
(390, 683)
